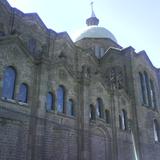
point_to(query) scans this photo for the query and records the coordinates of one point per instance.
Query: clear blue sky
(134, 23)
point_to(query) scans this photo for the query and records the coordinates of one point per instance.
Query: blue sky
(134, 23)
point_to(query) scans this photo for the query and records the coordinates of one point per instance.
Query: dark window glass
(9, 83)
(70, 108)
(23, 93)
(124, 119)
(120, 121)
(147, 89)
(60, 99)
(92, 114)
(142, 88)
(50, 102)
(107, 116)
(99, 107)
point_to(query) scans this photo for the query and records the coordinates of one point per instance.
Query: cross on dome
(93, 20)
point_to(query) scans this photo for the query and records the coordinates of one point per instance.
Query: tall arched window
(92, 113)
(107, 116)
(147, 89)
(60, 99)
(153, 96)
(123, 120)
(23, 93)
(142, 88)
(9, 83)
(70, 107)
(156, 131)
(99, 108)
(49, 101)
(120, 121)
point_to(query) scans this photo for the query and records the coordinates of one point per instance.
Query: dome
(96, 32)
(93, 30)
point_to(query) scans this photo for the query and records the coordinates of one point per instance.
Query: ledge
(4, 99)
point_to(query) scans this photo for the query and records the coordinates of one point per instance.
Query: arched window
(123, 120)
(99, 108)
(120, 121)
(92, 113)
(156, 131)
(147, 89)
(70, 107)
(142, 88)
(60, 99)
(23, 93)
(107, 116)
(153, 96)
(49, 101)
(9, 83)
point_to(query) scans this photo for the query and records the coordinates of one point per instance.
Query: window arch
(142, 87)
(60, 99)
(92, 113)
(70, 108)
(23, 93)
(107, 116)
(49, 101)
(9, 83)
(99, 108)
(156, 131)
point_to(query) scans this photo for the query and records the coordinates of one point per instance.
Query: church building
(90, 99)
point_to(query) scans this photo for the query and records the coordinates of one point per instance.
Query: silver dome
(96, 32)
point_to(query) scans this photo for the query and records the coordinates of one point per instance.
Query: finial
(93, 20)
(93, 14)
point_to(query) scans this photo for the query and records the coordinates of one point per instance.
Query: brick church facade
(85, 100)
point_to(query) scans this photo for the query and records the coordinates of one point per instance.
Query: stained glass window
(49, 103)
(142, 87)
(99, 107)
(147, 89)
(107, 116)
(23, 93)
(9, 83)
(124, 119)
(92, 114)
(70, 107)
(60, 99)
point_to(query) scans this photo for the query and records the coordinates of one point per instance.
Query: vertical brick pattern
(100, 147)
(12, 140)
(56, 143)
